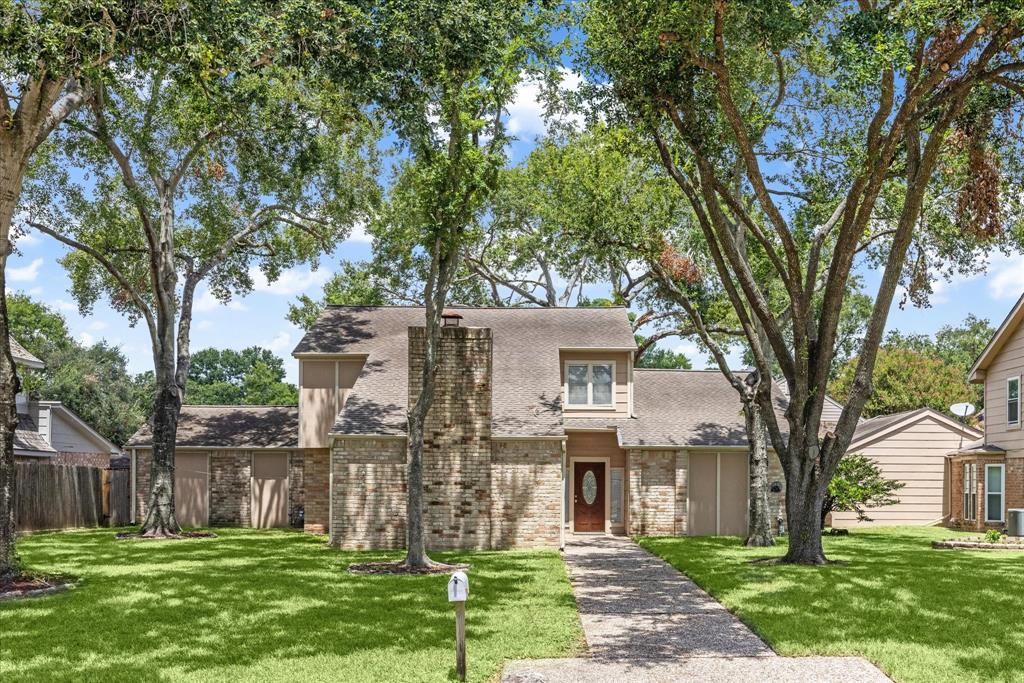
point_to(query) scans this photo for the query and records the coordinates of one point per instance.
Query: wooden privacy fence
(69, 496)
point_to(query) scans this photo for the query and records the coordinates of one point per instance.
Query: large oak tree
(864, 133)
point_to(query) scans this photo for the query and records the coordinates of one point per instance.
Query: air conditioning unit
(1015, 522)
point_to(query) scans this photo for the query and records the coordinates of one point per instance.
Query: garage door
(269, 490)
(717, 487)
(192, 489)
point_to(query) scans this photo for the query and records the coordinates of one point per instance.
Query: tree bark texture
(160, 519)
(9, 386)
(759, 533)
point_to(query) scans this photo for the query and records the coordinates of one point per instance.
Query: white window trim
(1015, 424)
(589, 405)
(970, 513)
(1002, 494)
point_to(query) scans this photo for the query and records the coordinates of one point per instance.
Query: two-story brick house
(988, 475)
(540, 425)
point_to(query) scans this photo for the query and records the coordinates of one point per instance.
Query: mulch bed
(979, 545)
(26, 586)
(136, 536)
(399, 569)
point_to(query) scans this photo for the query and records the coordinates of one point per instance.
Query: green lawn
(264, 605)
(919, 614)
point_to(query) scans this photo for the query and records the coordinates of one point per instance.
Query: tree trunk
(11, 178)
(160, 520)
(804, 497)
(759, 533)
(416, 546)
(9, 387)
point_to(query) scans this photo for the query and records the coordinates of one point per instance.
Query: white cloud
(281, 344)
(27, 239)
(202, 325)
(62, 305)
(291, 282)
(27, 273)
(97, 325)
(86, 338)
(359, 234)
(526, 112)
(207, 302)
(1006, 277)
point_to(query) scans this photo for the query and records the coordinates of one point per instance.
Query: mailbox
(458, 587)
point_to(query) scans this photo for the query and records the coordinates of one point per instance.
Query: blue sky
(261, 314)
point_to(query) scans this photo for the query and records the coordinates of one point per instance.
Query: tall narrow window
(970, 491)
(616, 511)
(590, 384)
(994, 478)
(1013, 402)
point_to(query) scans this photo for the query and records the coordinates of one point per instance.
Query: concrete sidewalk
(644, 621)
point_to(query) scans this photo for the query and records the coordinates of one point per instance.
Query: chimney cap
(451, 317)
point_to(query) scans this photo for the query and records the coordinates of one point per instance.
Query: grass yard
(273, 605)
(919, 614)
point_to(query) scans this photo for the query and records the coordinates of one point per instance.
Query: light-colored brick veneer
(657, 492)
(230, 488)
(478, 493)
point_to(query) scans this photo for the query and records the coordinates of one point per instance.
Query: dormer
(325, 382)
(597, 382)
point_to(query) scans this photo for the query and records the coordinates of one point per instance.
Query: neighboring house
(910, 447)
(988, 475)
(540, 424)
(50, 432)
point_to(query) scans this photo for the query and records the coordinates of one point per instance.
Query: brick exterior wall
(230, 485)
(456, 437)
(654, 494)
(72, 458)
(369, 493)
(526, 493)
(316, 469)
(230, 488)
(478, 494)
(296, 487)
(1014, 490)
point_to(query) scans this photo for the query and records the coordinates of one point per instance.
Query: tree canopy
(252, 376)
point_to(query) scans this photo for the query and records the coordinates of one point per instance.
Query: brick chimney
(457, 435)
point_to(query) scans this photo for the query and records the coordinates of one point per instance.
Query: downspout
(565, 500)
(133, 486)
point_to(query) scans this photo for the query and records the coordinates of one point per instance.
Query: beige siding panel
(324, 386)
(192, 489)
(68, 437)
(702, 488)
(733, 492)
(621, 360)
(1008, 363)
(914, 455)
(270, 490)
(595, 445)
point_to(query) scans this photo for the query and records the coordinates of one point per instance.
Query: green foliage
(906, 380)
(358, 284)
(858, 484)
(993, 536)
(93, 381)
(660, 357)
(252, 376)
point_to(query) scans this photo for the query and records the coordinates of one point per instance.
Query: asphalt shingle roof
(27, 436)
(680, 408)
(23, 357)
(527, 378)
(230, 427)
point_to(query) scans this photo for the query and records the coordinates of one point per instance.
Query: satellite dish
(962, 409)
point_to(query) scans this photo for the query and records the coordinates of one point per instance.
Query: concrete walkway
(644, 621)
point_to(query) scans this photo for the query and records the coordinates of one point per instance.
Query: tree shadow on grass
(917, 612)
(249, 598)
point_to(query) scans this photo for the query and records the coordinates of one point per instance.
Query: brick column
(457, 437)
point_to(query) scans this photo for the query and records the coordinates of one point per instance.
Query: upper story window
(1013, 402)
(590, 384)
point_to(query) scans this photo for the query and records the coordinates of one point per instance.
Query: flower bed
(1005, 543)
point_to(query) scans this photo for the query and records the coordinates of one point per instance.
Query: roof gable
(876, 428)
(1009, 325)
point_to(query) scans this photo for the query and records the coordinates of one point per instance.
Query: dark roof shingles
(28, 438)
(230, 427)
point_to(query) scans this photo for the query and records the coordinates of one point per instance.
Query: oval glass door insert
(589, 487)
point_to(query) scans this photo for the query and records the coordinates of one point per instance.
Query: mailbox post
(458, 592)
